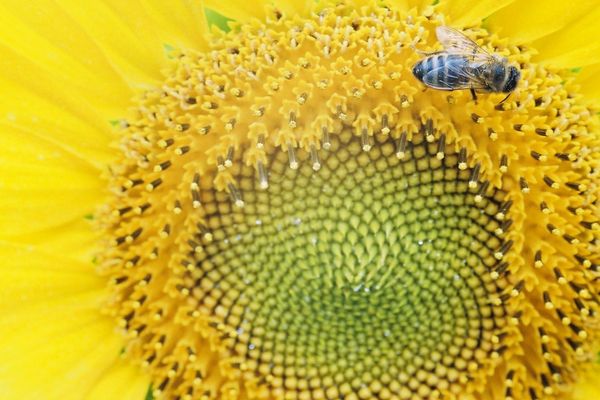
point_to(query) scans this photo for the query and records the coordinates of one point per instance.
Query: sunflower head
(295, 217)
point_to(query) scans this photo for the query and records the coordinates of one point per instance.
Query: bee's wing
(456, 42)
(453, 78)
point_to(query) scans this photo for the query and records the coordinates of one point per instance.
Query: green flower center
(370, 271)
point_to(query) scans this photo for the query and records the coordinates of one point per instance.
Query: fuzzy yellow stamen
(295, 217)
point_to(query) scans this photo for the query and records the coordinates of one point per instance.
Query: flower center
(295, 217)
(372, 273)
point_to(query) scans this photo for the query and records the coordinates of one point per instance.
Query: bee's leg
(504, 99)
(473, 95)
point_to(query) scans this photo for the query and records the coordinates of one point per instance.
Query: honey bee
(462, 64)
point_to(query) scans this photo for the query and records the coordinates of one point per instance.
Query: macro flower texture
(206, 200)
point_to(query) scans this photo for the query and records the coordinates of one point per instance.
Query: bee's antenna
(504, 99)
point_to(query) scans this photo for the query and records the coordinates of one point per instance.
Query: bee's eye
(498, 74)
(513, 80)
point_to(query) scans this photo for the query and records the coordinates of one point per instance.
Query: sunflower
(233, 200)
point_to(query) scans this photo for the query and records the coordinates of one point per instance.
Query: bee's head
(512, 79)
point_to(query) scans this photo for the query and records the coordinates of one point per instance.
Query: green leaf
(168, 49)
(219, 20)
(485, 23)
(149, 395)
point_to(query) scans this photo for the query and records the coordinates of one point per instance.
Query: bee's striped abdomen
(444, 71)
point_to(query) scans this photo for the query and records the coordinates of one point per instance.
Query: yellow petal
(239, 10)
(292, 8)
(45, 51)
(589, 83)
(588, 388)
(77, 238)
(122, 381)
(132, 46)
(30, 117)
(465, 13)
(43, 186)
(30, 277)
(576, 45)
(182, 22)
(56, 358)
(89, 55)
(55, 342)
(525, 21)
(27, 211)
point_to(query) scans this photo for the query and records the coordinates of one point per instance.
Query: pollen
(294, 216)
